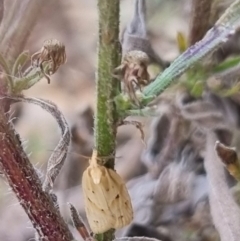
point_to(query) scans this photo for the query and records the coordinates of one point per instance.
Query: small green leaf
(122, 102)
(20, 62)
(181, 42)
(197, 89)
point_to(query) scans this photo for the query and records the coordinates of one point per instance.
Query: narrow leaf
(20, 61)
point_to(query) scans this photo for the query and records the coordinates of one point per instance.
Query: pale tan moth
(107, 202)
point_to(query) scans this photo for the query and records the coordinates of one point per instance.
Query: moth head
(96, 174)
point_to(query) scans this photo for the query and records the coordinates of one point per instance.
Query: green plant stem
(108, 58)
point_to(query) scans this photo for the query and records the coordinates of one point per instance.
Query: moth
(107, 202)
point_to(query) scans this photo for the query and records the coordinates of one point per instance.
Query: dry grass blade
(78, 223)
(224, 210)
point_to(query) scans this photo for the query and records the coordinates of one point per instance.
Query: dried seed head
(52, 52)
(136, 68)
(137, 57)
(133, 72)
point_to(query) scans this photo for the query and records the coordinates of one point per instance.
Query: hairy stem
(25, 183)
(108, 59)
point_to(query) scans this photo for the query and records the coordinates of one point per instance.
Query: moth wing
(108, 203)
(121, 205)
(98, 220)
(99, 215)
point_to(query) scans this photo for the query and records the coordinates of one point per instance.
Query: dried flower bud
(52, 52)
(133, 72)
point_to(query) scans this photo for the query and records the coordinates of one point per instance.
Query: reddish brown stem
(25, 183)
